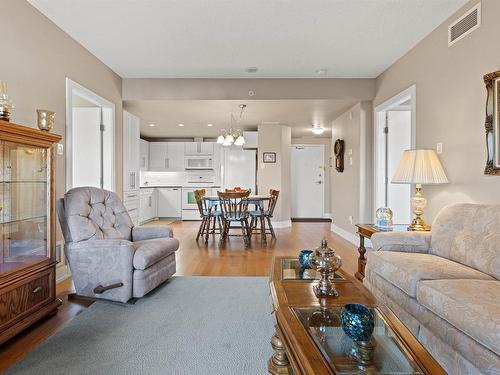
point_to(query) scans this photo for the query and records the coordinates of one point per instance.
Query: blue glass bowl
(357, 321)
(305, 258)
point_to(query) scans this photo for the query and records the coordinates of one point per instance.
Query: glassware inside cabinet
(24, 205)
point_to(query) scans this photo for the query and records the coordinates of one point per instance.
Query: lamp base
(418, 224)
(418, 204)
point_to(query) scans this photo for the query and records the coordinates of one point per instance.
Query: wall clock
(339, 155)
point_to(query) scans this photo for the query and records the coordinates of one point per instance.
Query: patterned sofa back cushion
(96, 214)
(469, 234)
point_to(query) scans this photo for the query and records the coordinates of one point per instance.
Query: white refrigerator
(239, 168)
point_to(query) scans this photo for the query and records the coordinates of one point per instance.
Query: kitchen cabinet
(175, 155)
(166, 156)
(169, 202)
(143, 155)
(148, 205)
(131, 201)
(158, 155)
(199, 148)
(131, 136)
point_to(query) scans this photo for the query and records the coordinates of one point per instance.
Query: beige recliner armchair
(108, 256)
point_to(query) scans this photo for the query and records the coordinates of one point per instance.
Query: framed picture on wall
(269, 157)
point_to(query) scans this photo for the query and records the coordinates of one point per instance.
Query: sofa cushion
(149, 252)
(472, 306)
(416, 316)
(404, 270)
(469, 234)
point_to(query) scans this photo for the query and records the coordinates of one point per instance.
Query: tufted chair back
(89, 213)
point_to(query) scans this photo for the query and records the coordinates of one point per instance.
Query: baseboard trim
(310, 220)
(352, 238)
(282, 224)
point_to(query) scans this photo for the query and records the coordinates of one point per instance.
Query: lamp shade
(419, 167)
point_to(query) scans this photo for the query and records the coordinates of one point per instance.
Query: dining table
(257, 200)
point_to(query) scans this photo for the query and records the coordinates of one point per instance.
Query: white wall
(351, 190)
(38, 56)
(276, 138)
(451, 100)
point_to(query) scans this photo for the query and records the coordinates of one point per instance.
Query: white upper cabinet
(131, 162)
(143, 155)
(175, 155)
(158, 155)
(199, 148)
(166, 156)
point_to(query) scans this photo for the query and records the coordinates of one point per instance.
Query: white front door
(308, 181)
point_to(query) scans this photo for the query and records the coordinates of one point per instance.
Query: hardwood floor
(197, 259)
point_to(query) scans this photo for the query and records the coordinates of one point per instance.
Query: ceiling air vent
(466, 24)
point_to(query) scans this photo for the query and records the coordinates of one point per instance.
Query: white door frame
(322, 146)
(378, 124)
(74, 88)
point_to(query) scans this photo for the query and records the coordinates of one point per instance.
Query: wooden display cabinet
(27, 227)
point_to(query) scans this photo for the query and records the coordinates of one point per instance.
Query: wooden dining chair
(264, 214)
(209, 216)
(234, 208)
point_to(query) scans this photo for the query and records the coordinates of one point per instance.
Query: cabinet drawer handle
(38, 289)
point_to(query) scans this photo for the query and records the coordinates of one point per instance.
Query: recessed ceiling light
(152, 125)
(252, 69)
(181, 125)
(322, 71)
(210, 125)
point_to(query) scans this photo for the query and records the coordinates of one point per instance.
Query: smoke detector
(251, 69)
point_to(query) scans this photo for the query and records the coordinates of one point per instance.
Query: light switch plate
(60, 149)
(439, 147)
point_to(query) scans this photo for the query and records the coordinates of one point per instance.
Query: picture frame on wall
(269, 157)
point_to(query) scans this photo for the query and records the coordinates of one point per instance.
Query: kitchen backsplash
(148, 178)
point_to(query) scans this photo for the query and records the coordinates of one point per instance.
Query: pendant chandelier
(231, 136)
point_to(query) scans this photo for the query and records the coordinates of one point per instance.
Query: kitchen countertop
(179, 186)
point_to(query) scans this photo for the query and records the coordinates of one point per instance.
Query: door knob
(319, 182)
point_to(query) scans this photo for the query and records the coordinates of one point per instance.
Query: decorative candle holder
(384, 218)
(5, 103)
(305, 258)
(357, 322)
(326, 262)
(45, 119)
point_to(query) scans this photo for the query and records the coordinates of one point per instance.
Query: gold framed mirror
(492, 123)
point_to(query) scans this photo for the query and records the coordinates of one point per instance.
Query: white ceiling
(197, 114)
(220, 38)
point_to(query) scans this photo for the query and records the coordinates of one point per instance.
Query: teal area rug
(189, 325)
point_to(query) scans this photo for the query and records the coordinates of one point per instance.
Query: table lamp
(419, 167)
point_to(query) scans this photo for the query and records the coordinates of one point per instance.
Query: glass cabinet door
(24, 205)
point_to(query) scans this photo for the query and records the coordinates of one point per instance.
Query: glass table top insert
(388, 356)
(291, 270)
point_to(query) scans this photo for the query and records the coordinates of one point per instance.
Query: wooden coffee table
(309, 339)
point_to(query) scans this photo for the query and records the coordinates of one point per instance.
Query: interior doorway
(308, 181)
(89, 138)
(394, 132)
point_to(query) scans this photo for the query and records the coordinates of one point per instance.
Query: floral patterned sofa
(444, 285)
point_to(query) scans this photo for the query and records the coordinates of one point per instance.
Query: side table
(366, 231)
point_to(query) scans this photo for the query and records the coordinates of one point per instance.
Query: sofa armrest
(408, 242)
(147, 233)
(102, 263)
